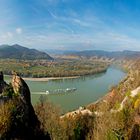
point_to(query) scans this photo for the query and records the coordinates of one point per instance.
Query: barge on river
(61, 91)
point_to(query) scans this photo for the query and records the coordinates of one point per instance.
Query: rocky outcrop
(1, 76)
(81, 111)
(2, 82)
(21, 88)
(24, 124)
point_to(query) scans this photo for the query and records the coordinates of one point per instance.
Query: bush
(5, 118)
(48, 114)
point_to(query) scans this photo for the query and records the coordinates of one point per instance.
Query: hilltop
(19, 52)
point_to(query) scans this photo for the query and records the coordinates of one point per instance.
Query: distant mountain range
(19, 52)
(59, 52)
(100, 53)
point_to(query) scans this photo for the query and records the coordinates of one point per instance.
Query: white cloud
(107, 41)
(7, 35)
(81, 23)
(18, 30)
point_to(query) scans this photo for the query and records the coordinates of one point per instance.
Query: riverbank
(63, 68)
(44, 79)
(50, 78)
(58, 78)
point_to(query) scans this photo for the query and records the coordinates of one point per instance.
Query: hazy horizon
(71, 25)
(66, 50)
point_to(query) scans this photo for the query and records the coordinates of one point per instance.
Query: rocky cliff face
(21, 88)
(23, 122)
(2, 83)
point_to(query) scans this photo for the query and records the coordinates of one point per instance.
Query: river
(89, 88)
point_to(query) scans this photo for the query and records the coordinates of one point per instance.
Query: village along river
(88, 88)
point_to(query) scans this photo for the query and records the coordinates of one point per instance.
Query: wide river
(89, 88)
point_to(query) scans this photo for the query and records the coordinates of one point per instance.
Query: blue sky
(71, 24)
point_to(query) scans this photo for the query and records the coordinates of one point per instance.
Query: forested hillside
(19, 52)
